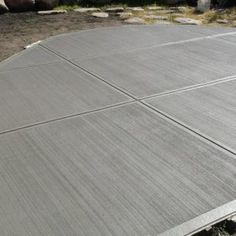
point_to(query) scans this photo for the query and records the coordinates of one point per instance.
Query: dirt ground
(20, 29)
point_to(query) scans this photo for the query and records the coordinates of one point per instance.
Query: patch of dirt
(20, 29)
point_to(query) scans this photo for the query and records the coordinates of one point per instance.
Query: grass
(209, 17)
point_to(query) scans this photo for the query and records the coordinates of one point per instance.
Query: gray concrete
(123, 171)
(231, 38)
(210, 110)
(207, 219)
(101, 42)
(119, 131)
(168, 67)
(30, 57)
(47, 92)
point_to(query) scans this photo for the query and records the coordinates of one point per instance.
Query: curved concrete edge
(66, 34)
(19, 53)
(231, 29)
(39, 42)
(203, 221)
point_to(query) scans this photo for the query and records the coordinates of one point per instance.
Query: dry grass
(209, 17)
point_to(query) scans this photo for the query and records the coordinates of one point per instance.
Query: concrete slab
(29, 57)
(122, 171)
(168, 67)
(37, 94)
(79, 157)
(209, 110)
(229, 38)
(100, 42)
(204, 221)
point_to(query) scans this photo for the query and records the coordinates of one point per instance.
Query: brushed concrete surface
(204, 221)
(100, 42)
(229, 38)
(30, 57)
(210, 110)
(45, 92)
(122, 171)
(160, 69)
(76, 159)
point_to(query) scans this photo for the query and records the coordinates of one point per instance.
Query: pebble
(224, 21)
(154, 17)
(52, 12)
(115, 9)
(166, 11)
(137, 9)
(100, 14)
(125, 15)
(84, 10)
(187, 21)
(135, 20)
(154, 8)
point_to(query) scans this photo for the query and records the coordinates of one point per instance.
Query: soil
(20, 29)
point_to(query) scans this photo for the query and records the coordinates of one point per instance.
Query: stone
(187, 21)
(20, 5)
(203, 5)
(154, 8)
(3, 7)
(135, 20)
(125, 15)
(222, 21)
(154, 17)
(115, 9)
(84, 10)
(46, 4)
(51, 12)
(136, 9)
(100, 14)
(32, 44)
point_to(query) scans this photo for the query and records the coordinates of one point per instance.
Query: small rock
(52, 12)
(135, 20)
(137, 9)
(155, 8)
(3, 7)
(115, 9)
(100, 14)
(125, 15)
(187, 21)
(84, 10)
(32, 44)
(154, 17)
(224, 21)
